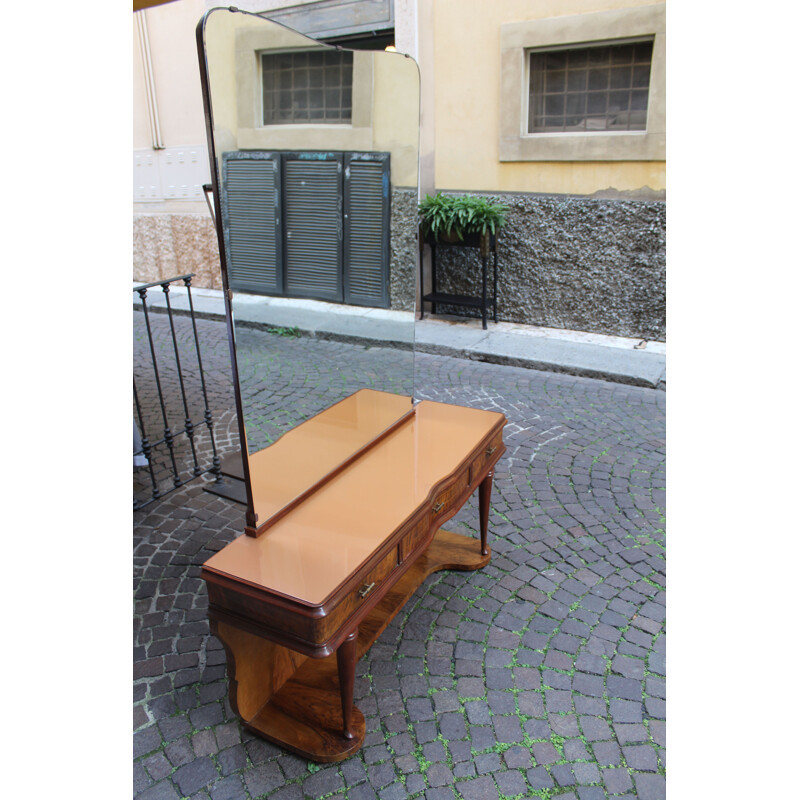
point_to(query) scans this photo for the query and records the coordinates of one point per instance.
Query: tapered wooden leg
(346, 661)
(294, 701)
(484, 495)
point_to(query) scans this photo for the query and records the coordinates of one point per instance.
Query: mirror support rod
(251, 517)
(149, 80)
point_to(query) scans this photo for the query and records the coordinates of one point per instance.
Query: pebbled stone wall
(586, 264)
(403, 251)
(166, 245)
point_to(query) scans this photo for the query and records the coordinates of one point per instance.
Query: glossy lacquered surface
(308, 553)
(298, 460)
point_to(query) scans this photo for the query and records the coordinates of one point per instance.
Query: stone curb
(610, 367)
(546, 366)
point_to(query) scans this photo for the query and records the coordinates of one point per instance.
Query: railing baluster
(216, 463)
(169, 438)
(167, 431)
(188, 427)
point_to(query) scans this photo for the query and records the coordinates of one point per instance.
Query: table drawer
(488, 454)
(412, 539)
(446, 499)
(372, 581)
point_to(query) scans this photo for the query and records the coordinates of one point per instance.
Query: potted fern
(458, 219)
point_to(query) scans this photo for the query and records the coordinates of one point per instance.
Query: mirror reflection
(316, 151)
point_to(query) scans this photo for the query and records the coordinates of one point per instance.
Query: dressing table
(344, 509)
(296, 606)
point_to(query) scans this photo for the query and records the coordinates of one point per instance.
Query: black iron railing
(173, 458)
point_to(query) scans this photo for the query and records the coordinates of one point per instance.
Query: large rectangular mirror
(314, 155)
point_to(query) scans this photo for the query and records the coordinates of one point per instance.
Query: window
(278, 103)
(314, 87)
(586, 89)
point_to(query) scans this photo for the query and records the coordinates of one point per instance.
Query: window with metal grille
(309, 88)
(590, 89)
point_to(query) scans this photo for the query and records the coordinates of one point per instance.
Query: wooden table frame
(291, 663)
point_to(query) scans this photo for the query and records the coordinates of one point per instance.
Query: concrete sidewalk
(609, 358)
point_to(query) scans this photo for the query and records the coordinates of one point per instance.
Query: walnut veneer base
(294, 701)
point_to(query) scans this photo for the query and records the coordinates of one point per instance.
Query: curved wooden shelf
(294, 701)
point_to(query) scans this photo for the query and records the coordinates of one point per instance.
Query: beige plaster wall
(141, 124)
(405, 27)
(466, 54)
(171, 29)
(396, 114)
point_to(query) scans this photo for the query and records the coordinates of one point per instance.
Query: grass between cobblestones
(540, 676)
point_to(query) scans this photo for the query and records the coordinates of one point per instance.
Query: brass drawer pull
(438, 507)
(366, 589)
(491, 450)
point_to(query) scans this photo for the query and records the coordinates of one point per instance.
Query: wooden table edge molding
(291, 662)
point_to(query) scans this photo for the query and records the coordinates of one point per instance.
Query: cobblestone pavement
(542, 675)
(284, 380)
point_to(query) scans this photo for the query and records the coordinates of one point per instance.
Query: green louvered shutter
(366, 229)
(312, 197)
(251, 221)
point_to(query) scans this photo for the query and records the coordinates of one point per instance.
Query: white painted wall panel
(175, 173)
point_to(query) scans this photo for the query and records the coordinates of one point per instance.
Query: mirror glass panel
(316, 152)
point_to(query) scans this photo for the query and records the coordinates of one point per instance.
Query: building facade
(554, 107)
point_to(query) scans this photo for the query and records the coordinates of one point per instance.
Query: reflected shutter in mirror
(251, 221)
(366, 229)
(313, 229)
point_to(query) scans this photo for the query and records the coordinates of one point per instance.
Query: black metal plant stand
(434, 297)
